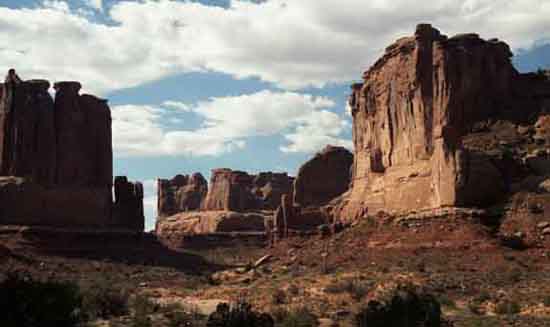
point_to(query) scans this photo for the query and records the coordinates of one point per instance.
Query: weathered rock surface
(409, 118)
(56, 157)
(83, 133)
(208, 222)
(28, 138)
(238, 191)
(180, 194)
(324, 177)
(23, 202)
(128, 206)
(235, 202)
(542, 127)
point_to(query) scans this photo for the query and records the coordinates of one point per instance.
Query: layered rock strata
(412, 112)
(180, 194)
(235, 201)
(55, 156)
(240, 191)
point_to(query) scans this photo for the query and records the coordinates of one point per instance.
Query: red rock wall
(181, 194)
(128, 206)
(28, 138)
(409, 117)
(239, 191)
(56, 158)
(324, 177)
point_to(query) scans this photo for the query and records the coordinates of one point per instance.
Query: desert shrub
(507, 307)
(299, 318)
(29, 303)
(405, 307)
(178, 316)
(142, 307)
(293, 289)
(279, 314)
(446, 301)
(474, 305)
(356, 288)
(279, 297)
(240, 315)
(477, 321)
(102, 301)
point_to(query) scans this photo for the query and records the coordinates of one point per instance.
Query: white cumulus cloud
(303, 120)
(293, 44)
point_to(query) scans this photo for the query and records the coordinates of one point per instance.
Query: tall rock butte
(56, 157)
(410, 116)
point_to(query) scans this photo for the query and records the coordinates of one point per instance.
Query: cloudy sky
(250, 85)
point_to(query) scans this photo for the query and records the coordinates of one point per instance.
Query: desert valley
(438, 216)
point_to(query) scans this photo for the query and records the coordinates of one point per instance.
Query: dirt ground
(461, 261)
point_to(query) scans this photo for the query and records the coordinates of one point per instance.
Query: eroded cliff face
(238, 191)
(410, 115)
(235, 201)
(128, 205)
(56, 157)
(323, 177)
(181, 194)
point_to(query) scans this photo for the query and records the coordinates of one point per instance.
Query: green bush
(405, 307)
(507, 308)
(299, 318)
(101, 301)
(241, 315)
(29, 303)
(356, 288)
(279, 297)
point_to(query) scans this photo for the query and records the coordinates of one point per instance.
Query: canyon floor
(458, 260)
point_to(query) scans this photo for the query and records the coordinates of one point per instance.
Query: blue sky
(249, 85)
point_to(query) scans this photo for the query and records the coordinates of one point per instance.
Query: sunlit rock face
(410, 114)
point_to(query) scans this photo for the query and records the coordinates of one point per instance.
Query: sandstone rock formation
(324, 177)
(238, 191)
(55, 156)
(235, 202)
(180, 194)
(208, 222)
(412, 112)
(320, 180)
(128, 206)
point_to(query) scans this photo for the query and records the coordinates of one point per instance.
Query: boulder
(542, 128)
(180, 194)
(324, 177)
